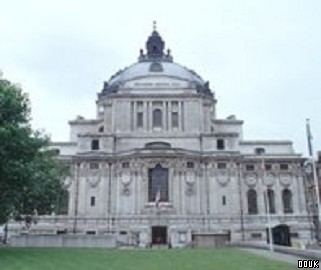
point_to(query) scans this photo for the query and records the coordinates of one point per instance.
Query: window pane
(92, 201)
(284, 167)
(271, 201)
(190, 164)
(287, 201)
(249, 167)
(174, 119)
(158, 182)
(94, 165)
(157, 118)
(140, 121)
(220, 144)
(252, 202)
(221, 166)
(95, 145)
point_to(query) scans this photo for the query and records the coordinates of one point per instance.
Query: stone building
(157, 165)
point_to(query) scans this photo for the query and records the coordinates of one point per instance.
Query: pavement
(274, 255)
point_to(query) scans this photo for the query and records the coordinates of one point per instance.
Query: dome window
(156, 67)
(101, 129)
(259, 151)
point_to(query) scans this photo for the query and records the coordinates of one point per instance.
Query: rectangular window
(249, 167)
(190, 165)
(174, 104)
(94, 165)
(158, 184)
(174, 119)
(95, 145)
(220, 145)
(284, 167)
(224, 200)
(268, 167)
(92, 201)
(140, 120)
(125, 165)
(221, 166)
(256, 235)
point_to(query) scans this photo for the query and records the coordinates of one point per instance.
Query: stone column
(179, 111)
(166, 114)
(182, 116)
(145, 119)
(297, 194)
(134, 117)
(261, 191)
(278, 197)
(113, 126)
(170, 116)
(171, 191)
(180, 190)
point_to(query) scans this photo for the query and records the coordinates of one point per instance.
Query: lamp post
(315, 178)
(260, 151)
(310, 170)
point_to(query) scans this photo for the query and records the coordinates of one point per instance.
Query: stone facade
(159, 113)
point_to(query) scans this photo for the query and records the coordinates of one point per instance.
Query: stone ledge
(304, 253)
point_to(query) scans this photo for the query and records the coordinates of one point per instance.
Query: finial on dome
(154, 25)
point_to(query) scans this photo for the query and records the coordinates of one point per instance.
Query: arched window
(101, 129)
(287, 201)
(157, 118)
(158, 184)
(252, 202)
(271, 200)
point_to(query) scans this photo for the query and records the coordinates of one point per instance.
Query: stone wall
(77, 241)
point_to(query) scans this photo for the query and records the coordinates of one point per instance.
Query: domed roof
(155, 63)
(156, 68)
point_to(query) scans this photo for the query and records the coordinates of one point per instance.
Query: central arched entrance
(159, 235)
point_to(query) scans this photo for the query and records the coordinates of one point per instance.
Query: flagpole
(314, 171)
(267, 202)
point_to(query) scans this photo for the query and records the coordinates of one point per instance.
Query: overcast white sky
(262, 57)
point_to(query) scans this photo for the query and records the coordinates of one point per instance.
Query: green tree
(31, 177)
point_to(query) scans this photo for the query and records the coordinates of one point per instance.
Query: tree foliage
(31, 177)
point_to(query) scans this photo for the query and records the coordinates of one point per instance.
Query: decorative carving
(93, 181)
(190, 177)
(285, 179)
(269, 179)
(223, 180)
(190, 189)
(251, 180)
(126, 179)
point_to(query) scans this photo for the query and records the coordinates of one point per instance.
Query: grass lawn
(92, 259)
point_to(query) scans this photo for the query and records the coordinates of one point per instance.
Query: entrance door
(159, 235)
(281, 235)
